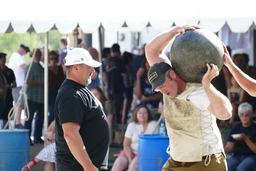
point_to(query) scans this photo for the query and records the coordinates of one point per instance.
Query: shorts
(172, 165)
(122, 153)
(16, 94)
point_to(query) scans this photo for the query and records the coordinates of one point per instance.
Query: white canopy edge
(237, 25)
(36, 15)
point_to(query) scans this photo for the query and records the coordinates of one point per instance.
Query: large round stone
(191, 51)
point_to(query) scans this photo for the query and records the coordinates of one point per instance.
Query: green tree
(9, 42)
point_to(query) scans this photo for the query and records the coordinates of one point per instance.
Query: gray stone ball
(191, 51)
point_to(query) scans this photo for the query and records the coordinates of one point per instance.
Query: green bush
(9, 42)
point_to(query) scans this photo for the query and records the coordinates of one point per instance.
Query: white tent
(41, 16)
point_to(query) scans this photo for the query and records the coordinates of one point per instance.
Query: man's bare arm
(220, 105)
(246, 82)
(76, 145)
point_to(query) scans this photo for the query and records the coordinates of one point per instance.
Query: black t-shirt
(240, 147)
(115, 67)
(10, 77)
(75, 103)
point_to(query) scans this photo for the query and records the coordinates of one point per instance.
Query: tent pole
(46, 81)
(100, 55)
(75, 36)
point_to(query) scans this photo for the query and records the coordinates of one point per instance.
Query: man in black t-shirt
(115, 77)
(11, 83)
(242, 141)
(82, 131)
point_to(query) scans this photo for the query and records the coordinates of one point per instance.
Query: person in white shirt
(17, 63)
(143, 123)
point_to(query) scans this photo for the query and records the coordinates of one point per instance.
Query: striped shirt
(35, 93)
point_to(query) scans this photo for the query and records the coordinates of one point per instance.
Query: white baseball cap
(80, 56)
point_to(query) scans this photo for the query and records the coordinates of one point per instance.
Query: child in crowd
(47, 154)
(236, 95)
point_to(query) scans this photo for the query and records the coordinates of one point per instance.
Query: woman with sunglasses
(242, 141)
(56, 77)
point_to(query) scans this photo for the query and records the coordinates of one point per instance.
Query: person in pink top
(56, 77)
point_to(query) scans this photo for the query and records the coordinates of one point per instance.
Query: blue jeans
(39, 119)
(51, 101)
(242, 163)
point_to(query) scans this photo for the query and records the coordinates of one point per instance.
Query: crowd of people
(82, 109)
(234, 91)
(208, 153)
(120, 75)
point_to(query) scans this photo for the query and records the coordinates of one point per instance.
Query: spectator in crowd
(143, 88)
(137, 60)
(3, 91)
(42, 57)
(128, 85)
(251, 71)
(115, 75)
(236, 95)
(245, 81)
(95, 76)
(109, 109)
(64, 46)
(11, 83)
(143, 123)
(17, 63)
(105, 55)
(82, 130)
(35, 95)
(47, 154)
(242, 141)
(239, 61)
(56, 77)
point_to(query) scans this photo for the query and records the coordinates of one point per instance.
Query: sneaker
(19, 126)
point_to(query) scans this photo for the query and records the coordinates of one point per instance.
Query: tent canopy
(41, 16)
